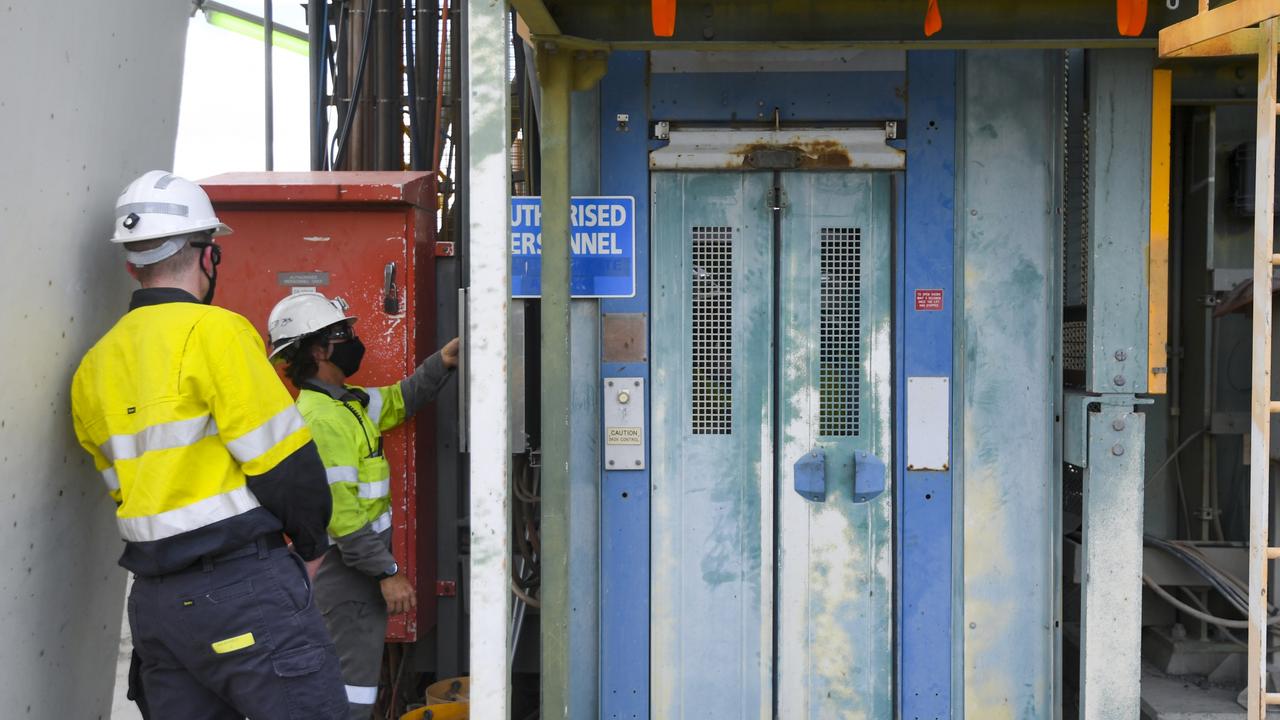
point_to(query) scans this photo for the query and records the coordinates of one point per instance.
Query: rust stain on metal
(812, 155)
(945, 467)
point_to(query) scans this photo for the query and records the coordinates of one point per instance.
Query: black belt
(260, 547)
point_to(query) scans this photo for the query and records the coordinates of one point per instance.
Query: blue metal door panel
(712, 491)
(716, 477)
(835, 560)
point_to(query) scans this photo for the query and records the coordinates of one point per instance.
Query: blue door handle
(868, 476)
(867, 482)
(811, 475)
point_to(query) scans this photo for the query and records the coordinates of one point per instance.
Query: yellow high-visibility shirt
(198, 442)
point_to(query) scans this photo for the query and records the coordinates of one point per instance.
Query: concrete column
(555, 76)
(489, 257)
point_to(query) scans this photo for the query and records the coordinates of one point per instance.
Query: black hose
(344, 134)
(411, 76)
(319, 124)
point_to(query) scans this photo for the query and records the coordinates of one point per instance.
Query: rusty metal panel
(338, 233)
(863, 148)
(625, 337)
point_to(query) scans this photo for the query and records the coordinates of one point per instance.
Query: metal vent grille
(1073, 344)
(712, 330)
(840, 341)
(1084, 209)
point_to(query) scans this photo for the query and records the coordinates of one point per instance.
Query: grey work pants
(359, 630)
(233, 637)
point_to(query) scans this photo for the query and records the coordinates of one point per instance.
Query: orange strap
(1131, 17)
(932, 19)
(664, 17)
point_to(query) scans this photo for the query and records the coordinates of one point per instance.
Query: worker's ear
(320, 351)
(131, 269)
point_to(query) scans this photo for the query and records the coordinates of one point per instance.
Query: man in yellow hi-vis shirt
(359, 582)
(208, 461)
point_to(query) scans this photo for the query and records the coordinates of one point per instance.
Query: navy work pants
(234, 637)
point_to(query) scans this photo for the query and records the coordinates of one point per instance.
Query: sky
(220, 121)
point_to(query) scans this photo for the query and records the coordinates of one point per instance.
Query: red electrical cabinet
(368, 237)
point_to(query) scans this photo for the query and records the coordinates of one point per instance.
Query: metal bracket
(777, 198)
(589, 61)
(1075, 425)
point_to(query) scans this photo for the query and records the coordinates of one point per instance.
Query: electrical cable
(1231, 381)
(1182, 498)
(344, 13)
(345, 133)
(1226, 632)
(1173, 455)
(1232, 588)
(1182, 494)
(1185, 608)
(525, 597)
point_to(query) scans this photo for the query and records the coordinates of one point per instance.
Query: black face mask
(347, 356)
(211, 276)
(213, 283)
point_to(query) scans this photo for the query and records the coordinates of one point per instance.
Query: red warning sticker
(929, 300)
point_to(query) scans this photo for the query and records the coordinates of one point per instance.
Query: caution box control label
(625, 436)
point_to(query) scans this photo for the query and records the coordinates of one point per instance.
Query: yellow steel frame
(1158, 260)
(1249, 27)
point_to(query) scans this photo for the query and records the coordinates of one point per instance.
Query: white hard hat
(301, 314)
(159, 205)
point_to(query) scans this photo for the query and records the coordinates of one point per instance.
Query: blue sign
(602, 259)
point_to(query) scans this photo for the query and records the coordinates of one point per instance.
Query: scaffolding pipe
(489, 261)
(267, 71)
(386, 93)
(555, 75)
(317, 37)
(1261, 405)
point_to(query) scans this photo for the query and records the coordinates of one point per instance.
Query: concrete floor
(1173, 697)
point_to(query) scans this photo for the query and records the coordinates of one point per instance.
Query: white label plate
(929, 423)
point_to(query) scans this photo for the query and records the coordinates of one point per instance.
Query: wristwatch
(394, 569)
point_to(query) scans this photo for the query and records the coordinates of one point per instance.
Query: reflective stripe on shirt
(375, 406)
(373, 490)
(260, 440)
(188, 517)
(342, 474)
(162, 436)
